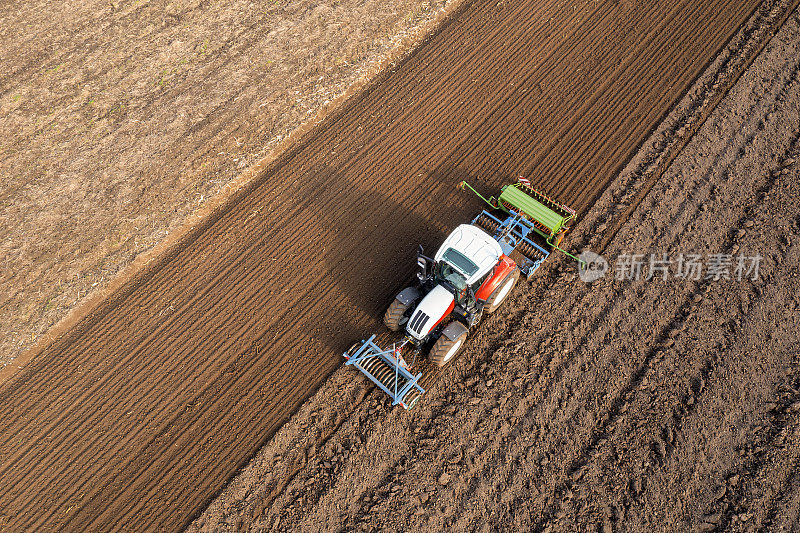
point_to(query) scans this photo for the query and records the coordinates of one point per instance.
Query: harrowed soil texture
(138, 415)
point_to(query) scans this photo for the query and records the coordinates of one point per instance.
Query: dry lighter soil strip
(660, 434)
(138, 415)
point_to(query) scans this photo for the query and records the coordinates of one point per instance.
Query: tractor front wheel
(501, 292)
(446, 349)
(394, 314)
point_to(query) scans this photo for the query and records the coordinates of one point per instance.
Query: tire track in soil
(684, 313)
(748, 495)
(733, 504)
(786, 493)
(702, 377)
(664, 443)
(679, 318)
(124, 368)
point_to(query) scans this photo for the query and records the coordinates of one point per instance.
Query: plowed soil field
(621, 405)
(136, 415)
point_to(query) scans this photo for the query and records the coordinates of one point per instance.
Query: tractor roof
(474, 244)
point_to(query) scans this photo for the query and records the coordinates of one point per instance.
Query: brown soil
(118, 119)
(618, 405)
(138, 414)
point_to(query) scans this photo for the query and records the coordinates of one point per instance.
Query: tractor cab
(468, 254)
(463, 262)
(455, 283)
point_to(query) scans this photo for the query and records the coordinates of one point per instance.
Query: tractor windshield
(446, 272)
(460, 261)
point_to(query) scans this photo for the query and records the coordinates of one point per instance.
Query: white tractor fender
(429, 312)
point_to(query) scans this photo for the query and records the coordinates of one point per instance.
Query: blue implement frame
(404, 380)
(512, 232)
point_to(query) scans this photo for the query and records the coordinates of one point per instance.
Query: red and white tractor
(471, 274)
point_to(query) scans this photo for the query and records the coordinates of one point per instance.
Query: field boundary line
(103, 300)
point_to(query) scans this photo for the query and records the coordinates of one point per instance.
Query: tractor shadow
(369, 254)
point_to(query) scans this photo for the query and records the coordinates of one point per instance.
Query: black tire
(502, 291)
(394, 314)
(445, 349)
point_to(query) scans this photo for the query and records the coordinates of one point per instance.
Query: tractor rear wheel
(446, 349)
(394, 314)
(501, 292)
